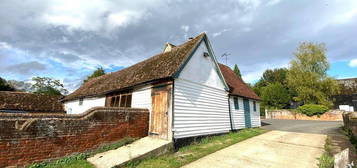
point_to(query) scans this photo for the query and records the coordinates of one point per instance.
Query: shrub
(275, 96)
(312, 109)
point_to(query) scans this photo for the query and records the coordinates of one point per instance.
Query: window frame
(236, 102)
(80, 102)
(122, 99)
(255, 106)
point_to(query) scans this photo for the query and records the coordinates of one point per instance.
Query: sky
(67, 40)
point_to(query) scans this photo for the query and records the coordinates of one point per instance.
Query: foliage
(197, 150)
(237, 71)
(327, 159)
(307, 75)
(5, 86)
(49, 86)
(20, 85)
(275, 96)
(312, 109)
(98, 72)
(79, 160)
(269, 77)
(353, 139)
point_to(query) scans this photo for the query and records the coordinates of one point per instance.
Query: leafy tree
(49, 86)
(308, 77)
(20, 85)
(4, 86)
(98, 72)
(271, 76)
(275, 76)
(237, 71)
(275, 95)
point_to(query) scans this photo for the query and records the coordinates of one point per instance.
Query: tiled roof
(29, 102)
(236, 85)
(161, 66)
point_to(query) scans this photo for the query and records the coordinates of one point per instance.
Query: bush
(275, 96)
(312, 109)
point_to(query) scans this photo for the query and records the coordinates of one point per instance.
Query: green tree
(98, 72)
(275, 95)
(308, 77)
(20, 85)
(48, 86)
(5, 86)
(237, 71)
(271, 76)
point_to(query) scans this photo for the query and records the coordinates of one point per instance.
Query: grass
(196, 150)
(79, 160)
(351, 137)
(327, 159)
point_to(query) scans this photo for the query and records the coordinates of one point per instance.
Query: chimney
(168, 47)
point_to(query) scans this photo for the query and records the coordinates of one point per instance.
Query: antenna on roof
(225, 55)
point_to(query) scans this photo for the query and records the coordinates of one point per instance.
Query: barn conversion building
(187, 92)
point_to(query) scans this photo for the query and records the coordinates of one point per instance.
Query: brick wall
(28, 138)
(332, 115)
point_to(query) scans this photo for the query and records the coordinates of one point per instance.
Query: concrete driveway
(304, 126)
(278, 149)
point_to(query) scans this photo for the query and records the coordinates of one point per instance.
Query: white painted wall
(202, 69)
(255, 115)
(73, 107)
(238, 121)
(199, 110)
(141, 98)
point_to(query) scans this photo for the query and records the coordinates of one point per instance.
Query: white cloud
(353, 63)
(96, 15)
(220, 32)
(4, 45)
(273, 2)
(185, 28)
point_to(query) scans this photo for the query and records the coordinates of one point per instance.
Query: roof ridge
(160, 66)
(152, 57)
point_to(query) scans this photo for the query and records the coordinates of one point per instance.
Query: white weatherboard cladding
(238, 121)
(199, 109)
(73, 107)
(141, 98)
(254, 115)
(202, 69)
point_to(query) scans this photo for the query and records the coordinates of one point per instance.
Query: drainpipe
(230, 113)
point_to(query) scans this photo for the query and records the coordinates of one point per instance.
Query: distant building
(22, 102)
(347, 99)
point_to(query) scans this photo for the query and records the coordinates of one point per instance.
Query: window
(119, 100)
(80, 101)
(254, 106)
(236, 103)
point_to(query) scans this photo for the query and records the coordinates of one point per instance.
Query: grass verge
(196, 150)
(351, 137)
(79, 160)
(327, 159)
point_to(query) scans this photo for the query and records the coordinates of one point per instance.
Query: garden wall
(350, 122)
(332, 115)
(28, 138)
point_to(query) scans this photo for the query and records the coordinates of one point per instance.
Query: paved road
(278, 149)
(304, 126)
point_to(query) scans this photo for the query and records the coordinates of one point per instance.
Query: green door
(247, 113)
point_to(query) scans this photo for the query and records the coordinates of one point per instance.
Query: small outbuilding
(186, 91)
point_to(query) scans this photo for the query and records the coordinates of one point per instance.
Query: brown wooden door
(159, 114)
